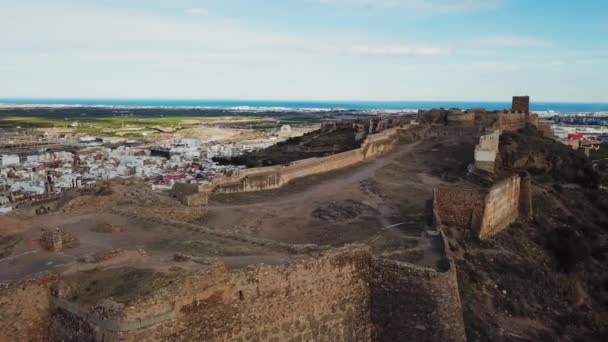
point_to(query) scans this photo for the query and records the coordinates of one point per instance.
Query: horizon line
(272, 100)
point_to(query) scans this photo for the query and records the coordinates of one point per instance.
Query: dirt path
(288, 214)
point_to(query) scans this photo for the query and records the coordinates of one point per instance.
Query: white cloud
(512, 41)
(419, 6)
(400, 50)
(40, 28)
(197, 11)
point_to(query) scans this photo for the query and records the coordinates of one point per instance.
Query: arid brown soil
(547, 279)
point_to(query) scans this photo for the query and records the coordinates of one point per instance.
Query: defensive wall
(413, 303)
(272, 177)
(486, 151)
(345, 294)
(190, 194)
(25, 308)
(485, 211)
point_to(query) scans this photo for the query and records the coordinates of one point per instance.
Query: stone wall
(190, 194)
(521, 104)
(272, 177)
(459, 207)
(25, 309)
(501, 207)
(485, 211)
(322, 299)
(411, 303)
(486, 151)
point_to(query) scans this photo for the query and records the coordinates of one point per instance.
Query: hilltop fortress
(396, 282)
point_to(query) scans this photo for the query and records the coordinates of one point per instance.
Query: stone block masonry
(25, 308)
(190, 194)
(501, 207)
(411, 303)
(273, 177)
(485, 211)
(344, 294)
(486, 151)
(319, 299)
(521, 104)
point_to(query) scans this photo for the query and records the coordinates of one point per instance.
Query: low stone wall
(25, 309)
(412, 303)
(343, 295)
(501, 207)
(485, 211)
(322, 299)
(486, 151)
(459, 207)
(272, 177)
(190, 194)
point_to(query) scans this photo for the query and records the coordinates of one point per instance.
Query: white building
(9, 159)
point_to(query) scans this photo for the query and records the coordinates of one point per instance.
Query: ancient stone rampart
(190, 194)
(486, 151)
(276, 176)
(485, 211)
(412, 303)
(343, 294)
(459, 207)
(322, 299)
(25, 309)
(501, 207)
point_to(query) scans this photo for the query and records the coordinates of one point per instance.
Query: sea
(557, 107)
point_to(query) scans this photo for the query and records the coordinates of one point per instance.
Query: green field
(109, 125)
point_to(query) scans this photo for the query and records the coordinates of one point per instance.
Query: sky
(365, 50)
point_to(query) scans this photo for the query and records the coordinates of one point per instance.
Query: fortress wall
(501, 208)
(25, 309)
(485, 212)
(276, 176)
(486, 151)
(511, 121)
(411, 303)
(314, 166)
(322, 299)
(459, 207)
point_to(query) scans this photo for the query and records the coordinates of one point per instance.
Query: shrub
(569, 247)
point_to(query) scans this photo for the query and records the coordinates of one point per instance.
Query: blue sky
(305, 49)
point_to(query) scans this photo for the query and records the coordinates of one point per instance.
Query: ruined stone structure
(506, 120)
(485, 211)
(343, 295)
(272, 177)
(521, 104)
(55, 240)
(190, 194)
(486, 152)
(411, 303)
(25, 308)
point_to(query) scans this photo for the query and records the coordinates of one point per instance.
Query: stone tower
(521, 104)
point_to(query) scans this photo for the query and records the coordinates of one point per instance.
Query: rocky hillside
(528, 150)
(546, 279)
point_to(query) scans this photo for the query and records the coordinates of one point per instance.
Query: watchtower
(521, 104)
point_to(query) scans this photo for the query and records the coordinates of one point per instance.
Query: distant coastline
(252, 105)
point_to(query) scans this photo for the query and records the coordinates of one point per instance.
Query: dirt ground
(375, 202)
(383, 203)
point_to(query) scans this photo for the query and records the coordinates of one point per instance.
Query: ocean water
(561, 107)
